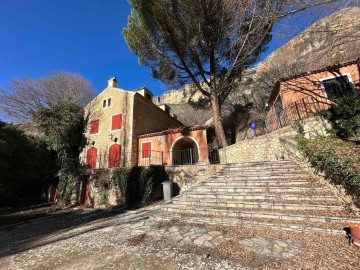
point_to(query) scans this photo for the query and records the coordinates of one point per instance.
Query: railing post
(307, 114)
(315, 105)
(297, 110)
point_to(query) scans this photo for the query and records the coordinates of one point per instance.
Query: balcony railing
(152, 157)
(298, 110)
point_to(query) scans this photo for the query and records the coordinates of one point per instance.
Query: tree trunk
(219, 130)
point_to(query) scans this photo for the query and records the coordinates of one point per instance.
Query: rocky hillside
(332, 40)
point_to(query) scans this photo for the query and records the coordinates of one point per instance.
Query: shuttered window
(94, 126)
(91, 157)
(114, 156)
(146, 150)
(116, 121)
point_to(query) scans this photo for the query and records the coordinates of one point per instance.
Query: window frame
(336, 76)
(91, 126)
(121, 122)
(142, 151)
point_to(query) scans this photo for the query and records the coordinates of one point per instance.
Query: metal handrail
(300, 109)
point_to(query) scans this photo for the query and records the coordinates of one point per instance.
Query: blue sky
(39, 37)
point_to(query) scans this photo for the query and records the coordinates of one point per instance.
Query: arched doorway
(184, 151)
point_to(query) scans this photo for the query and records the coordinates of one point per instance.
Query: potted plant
(355, 234)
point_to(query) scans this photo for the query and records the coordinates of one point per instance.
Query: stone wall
(121, 103)
(187, 175)
(265, 147)
(258, 149)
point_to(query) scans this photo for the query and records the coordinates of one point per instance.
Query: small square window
(104, 103)
(109, 102)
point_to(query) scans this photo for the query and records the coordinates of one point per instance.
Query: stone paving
(111, 243)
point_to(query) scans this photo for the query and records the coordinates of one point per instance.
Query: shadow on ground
(22, 232)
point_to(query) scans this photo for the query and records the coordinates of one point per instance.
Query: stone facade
(186, 176)
(138, 116)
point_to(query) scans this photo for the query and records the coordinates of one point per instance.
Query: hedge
(140, 185)
(340, 170)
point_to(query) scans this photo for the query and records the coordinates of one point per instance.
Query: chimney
(112, 82)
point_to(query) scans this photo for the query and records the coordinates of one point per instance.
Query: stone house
(301, 95)
(125, 129)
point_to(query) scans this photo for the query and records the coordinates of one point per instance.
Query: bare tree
(25, 96)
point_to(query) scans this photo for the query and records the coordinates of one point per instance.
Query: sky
(39, 37)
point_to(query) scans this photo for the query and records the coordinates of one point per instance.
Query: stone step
(261, 177)
(273, 189)
(308, 227)
(254, 205)
(256, 196)
(258, 183)
(263, 170)
(248, 214)
(263, 163)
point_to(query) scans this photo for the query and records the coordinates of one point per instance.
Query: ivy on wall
(139, 185)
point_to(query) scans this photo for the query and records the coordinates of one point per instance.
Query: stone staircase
(276, 194)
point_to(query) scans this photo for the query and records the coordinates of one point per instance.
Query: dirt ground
(75, 238)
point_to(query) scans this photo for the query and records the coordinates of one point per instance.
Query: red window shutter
(146, 150)
(91, 157)
(114, 156)
(116, 121)
(94, 126)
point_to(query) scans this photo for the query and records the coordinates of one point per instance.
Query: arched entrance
(184, 151)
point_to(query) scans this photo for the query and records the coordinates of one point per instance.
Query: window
(114, 156)
(94, 126)
(337, 87)
(104, 103)
(116, 121)
(109, 102)
(146, 150)
(91, 157)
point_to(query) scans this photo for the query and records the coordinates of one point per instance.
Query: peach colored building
(184, 145)
(302, 95)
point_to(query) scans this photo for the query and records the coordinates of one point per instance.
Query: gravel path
(117, 239)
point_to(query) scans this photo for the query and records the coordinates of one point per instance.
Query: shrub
(340, 170)
(344, 116)
(139, 185)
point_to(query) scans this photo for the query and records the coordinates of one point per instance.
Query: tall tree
(205, 42)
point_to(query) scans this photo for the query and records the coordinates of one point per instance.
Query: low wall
(266, 146)
(187, 175)
(257, 149)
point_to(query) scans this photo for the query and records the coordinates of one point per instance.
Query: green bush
(344, 116)
(340, 170)
(139, 185)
